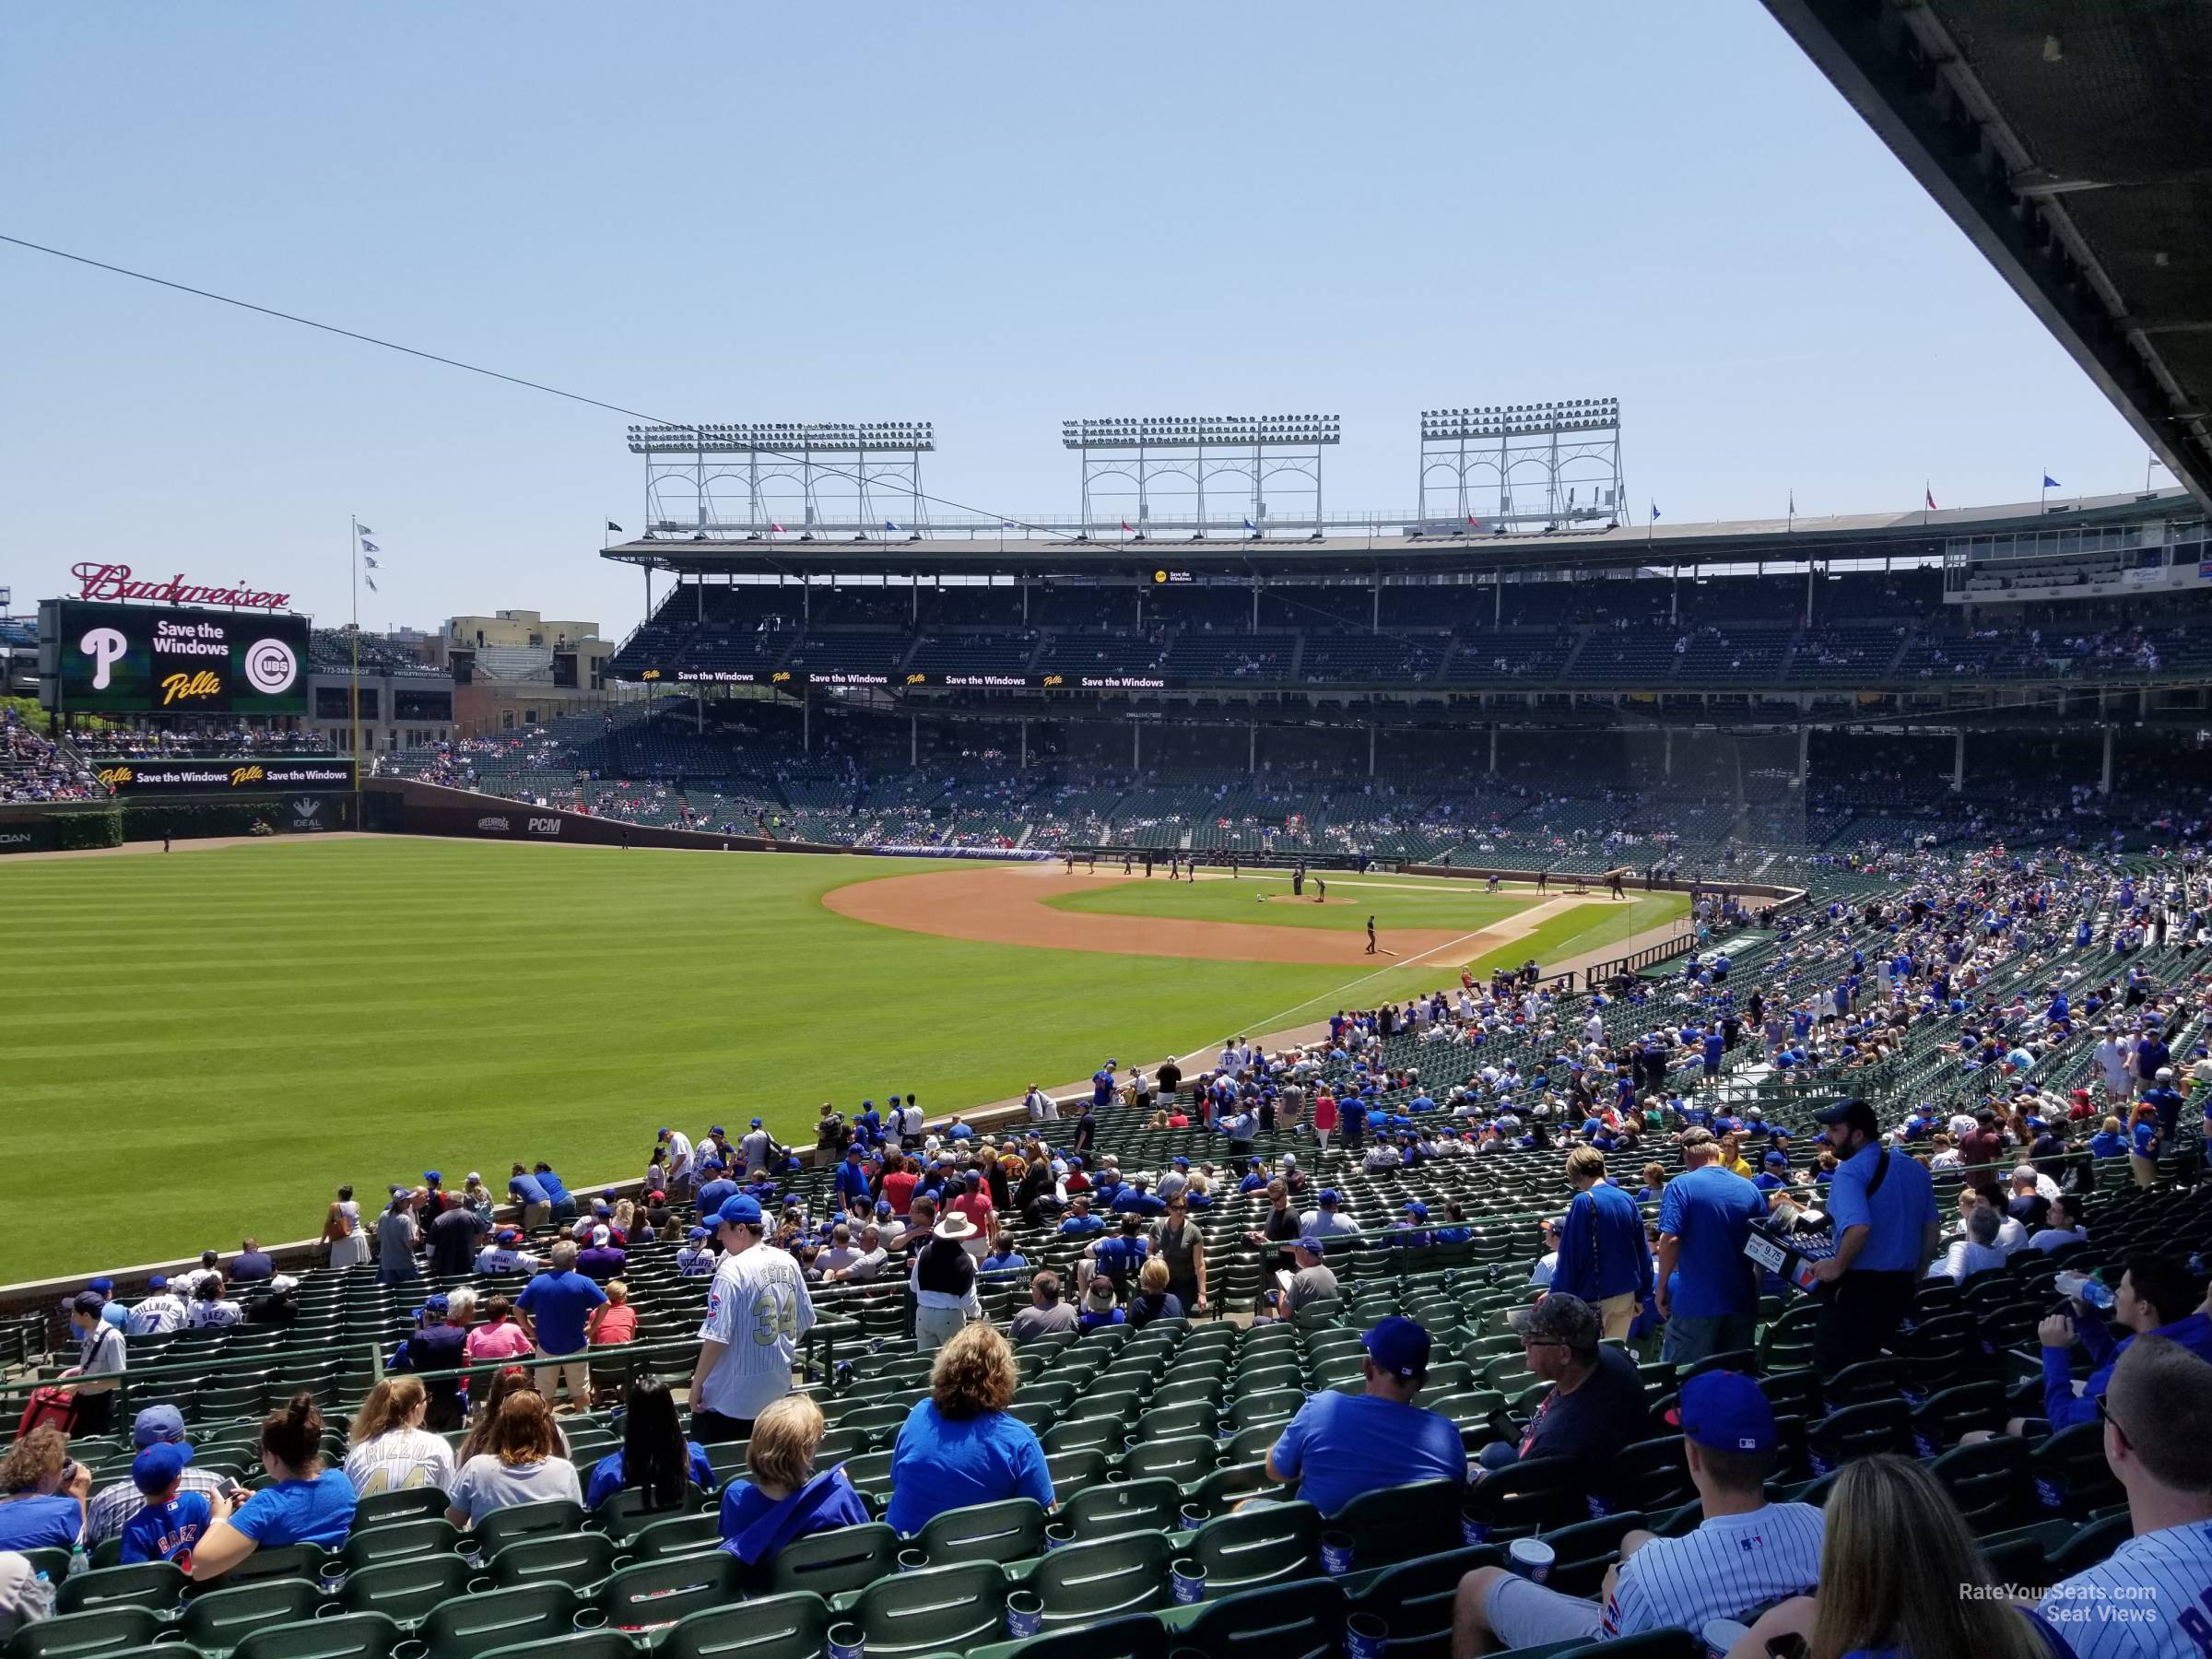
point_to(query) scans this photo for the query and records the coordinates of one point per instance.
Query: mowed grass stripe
(262, 1022)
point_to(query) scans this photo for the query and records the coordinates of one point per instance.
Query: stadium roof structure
(1862, 535)
(2072, 141)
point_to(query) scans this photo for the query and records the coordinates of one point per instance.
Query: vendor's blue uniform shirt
(1341, 1445)
(1896, 1217)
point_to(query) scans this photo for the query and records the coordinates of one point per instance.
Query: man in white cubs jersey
(2153, 1598)
(758, 1312)
(1745, 1552)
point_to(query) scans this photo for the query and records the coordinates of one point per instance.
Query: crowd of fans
(1677, 1111)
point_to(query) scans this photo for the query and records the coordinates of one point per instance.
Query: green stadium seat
(1086, 1583)
(1256, 1545)
(1302, 1620)
(224, 1617)
(395, 1540)
(685, 1534)
(1012, 1530)
(578, 1644)
(1398, 1524)
(774, 1627)
(94, 1631)
(155, 1584)
(581, 1557)
(2090, 1546)
(469, 1626)
(1184, 1457)
(1141, 1637)
(632, 1510)
(1414, 1599)
(1122, 1506)
(502, 1527)
(343, 1636)
(933, 1608)
(288, 1562)
(830, 1563)
(408, 1588)
(652, 1593)
(407, 1503)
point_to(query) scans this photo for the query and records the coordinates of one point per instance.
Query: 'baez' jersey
(2151, 1600)
(759, 1309)
(1728, 1566)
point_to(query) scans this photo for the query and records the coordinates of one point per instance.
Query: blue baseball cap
(106, 1287)
(159, 1282)
(433, 1177)
(156, 1424)
(1399, 1346)
(156, 1469)
(1725, 1410)
(755, 1124)
(697, 1233)
(1330, 1197)
(1780, 1159)
(1183, 1163)
(1414, 1207)
(741, 1211)
(883, 1206)
(433, 1304)
(1254, 1160)
(1310, 1245)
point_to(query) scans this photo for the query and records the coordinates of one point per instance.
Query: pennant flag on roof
(2050, 482)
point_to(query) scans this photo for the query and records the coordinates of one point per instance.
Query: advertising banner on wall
(248, 775)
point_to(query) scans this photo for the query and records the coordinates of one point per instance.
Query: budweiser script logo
(114, 583)
(177, 688)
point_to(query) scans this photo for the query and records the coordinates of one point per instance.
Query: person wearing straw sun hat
(945, 1298)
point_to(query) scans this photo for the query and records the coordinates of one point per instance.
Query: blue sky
(992, 215)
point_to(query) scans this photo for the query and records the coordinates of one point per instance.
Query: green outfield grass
(1593, 927)
(203, 1045)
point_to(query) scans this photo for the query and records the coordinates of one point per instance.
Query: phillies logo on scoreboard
(116, 582)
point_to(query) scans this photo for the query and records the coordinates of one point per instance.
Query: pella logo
(544, 825)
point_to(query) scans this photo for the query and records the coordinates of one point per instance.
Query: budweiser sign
(115, 582)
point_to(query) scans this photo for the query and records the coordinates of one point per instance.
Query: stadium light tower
(1507, 464)
(842, 470)
(1127, 457)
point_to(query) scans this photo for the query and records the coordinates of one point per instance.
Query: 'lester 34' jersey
(2151, 1600)
(759, 1309)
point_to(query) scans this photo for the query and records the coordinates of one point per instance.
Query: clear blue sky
(988, 214)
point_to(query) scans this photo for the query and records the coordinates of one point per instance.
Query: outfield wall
(408, 807)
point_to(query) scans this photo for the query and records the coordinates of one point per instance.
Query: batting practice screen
(139, 659)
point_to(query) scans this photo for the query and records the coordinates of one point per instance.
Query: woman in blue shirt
(41, 1493)
(655, 1457)
(308, 1505)
(2108, 1142)
(2145, 1140)
(785, 1499)
(959, 1446)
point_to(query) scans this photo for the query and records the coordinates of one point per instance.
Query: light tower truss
(1509, 465)
(749, 479)
(1173, 473)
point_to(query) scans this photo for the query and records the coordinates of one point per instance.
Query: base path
(1006, 906)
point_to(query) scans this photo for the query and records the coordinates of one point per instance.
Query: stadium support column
(1024, 746)
(1809, 591)
(1374, 608)
(2105, 779)
(1666, 756)
(1136, 747)
(1252, 746)
(805, 723)
(913, 740)
(1371, 748)
(1958, 762)
(1805, 753)
(1494, 749)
